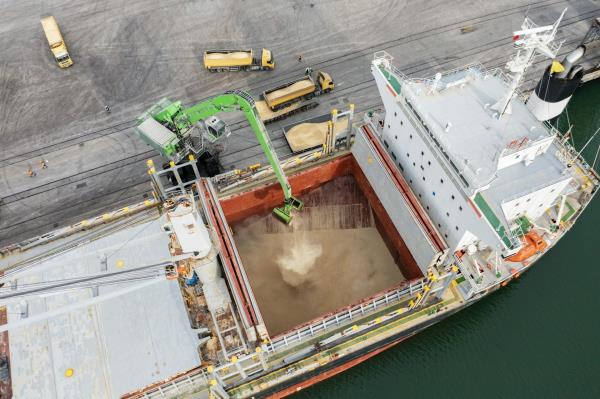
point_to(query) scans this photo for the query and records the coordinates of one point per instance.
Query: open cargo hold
(343, 227)
(374, 207)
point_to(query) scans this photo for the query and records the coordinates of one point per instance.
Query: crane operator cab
(216, 129)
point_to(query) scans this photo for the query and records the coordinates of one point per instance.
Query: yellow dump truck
(298, 90)
(56, 42)
(238, 60)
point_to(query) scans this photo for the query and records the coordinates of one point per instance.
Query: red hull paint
(5, 386)
(330, 373)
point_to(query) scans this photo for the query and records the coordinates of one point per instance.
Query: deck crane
(169, 127)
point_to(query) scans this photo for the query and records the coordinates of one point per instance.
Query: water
(537, 337)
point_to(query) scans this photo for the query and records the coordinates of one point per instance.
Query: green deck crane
(168, 126)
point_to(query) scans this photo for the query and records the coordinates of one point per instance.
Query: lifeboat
(532, 244)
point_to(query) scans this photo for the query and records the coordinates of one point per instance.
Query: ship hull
(340, 365)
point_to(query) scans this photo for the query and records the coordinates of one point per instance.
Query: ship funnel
(554, 90)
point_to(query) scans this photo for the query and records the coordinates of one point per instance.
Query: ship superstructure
(415, 212)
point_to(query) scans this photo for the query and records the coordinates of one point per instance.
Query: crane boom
(180, 120)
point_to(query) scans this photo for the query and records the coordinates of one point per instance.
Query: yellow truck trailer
(297, 90)
(238, 60)
(56, 42)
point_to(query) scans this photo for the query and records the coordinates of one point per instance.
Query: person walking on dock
(31, 172)
(299, 57)
(107, 109)
(44, 163)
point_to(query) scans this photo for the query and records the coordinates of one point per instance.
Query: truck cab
(325, 82)
(56, 42)
(267, 61)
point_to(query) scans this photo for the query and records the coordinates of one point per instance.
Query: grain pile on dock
(310, 135)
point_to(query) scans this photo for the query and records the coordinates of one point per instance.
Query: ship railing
(345, 316)
(83, 225)
(474, 68)
(383, 58)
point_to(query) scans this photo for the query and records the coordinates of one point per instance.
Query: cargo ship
(417, 210)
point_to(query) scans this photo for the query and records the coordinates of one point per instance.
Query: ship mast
(527, 41)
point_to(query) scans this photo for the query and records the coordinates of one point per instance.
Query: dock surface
(130, 55)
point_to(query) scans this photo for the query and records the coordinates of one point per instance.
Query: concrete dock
(128, 55)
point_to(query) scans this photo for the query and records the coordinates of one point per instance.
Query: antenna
(527, 41)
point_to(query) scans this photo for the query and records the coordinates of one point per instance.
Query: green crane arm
(237, 100)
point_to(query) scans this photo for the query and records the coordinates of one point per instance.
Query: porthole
(452, 196)
(433, 193)
(460, 208)
(396, 137)
(423, 178)
(456, 227)
(442, 181)
(400, 166)
(422, 168)
(448, 214)
(395, 114)
(414, 164)
(422, 153)
(407, 155)
(410, 136)
(401, 123)
(389, 127)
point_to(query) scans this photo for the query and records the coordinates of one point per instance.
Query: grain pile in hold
(330, 256)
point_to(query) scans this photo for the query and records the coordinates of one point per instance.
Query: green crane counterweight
(178, 122)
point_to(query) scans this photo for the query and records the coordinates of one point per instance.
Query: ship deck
(138, 322)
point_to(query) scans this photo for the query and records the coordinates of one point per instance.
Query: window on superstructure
(393, 155)
(427, 207)
(400, 166)
(460, 208)
(414, 164)
(452, 196)
(401, 123)
(420, 195)
(395, 114)
(389, 127)
(433, 193)
(446, 235)
(442, 181)
(396, 137)
(448, 214)
(423, 178)
(410, 136)
(386, 144)
(422, 153)
(429, 163)
(410, 181)
(456, 227)
(407, 155)
(528, 199)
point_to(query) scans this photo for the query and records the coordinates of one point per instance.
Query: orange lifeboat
(532, 244)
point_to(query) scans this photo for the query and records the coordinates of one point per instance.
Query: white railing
(345, 316)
